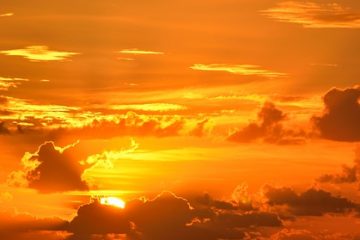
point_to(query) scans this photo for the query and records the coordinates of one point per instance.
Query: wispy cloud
(39, 54)
(135, 51)
(247, 70)
(6, 14)
(315, 15)
(151, 107)
(6, 83)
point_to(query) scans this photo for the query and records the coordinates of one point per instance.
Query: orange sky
(242, 118)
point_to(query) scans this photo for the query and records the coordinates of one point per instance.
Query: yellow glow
(6, 83)
(39, 53)
(135, 51)
(244, 69)
(6, 14)
(155, 107)
(113, 201)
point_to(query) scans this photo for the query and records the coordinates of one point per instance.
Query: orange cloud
(150, 107)
(39, 54)
(314, 15)
(246, 70)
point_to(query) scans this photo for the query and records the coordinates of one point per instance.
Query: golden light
(113, 201)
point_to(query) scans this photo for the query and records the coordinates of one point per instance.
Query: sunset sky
(180, 120)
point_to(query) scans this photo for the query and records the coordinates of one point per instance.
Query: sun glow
(113, 201)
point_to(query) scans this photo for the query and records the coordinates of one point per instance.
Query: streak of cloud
(39, 54)
(245, 69)
(314, 15)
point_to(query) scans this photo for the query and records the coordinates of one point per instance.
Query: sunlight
(112, 201)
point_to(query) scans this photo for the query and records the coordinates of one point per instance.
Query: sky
(196, 120)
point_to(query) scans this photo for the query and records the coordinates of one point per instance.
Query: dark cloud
(349, 174)
(167, 217)
(341, 118)
(53, 169)
(269, 128)
(95, 218)
(207, 201)
(312, 202)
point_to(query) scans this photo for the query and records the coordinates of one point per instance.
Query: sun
(113, 201)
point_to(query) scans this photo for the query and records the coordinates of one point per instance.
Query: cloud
(314, 15)
(130, 124)
(99, 121)
(52, 169)
(95, 218)
(39, 54)
(350, 174)
(317, 234)
(207, 201)
(135, 51)
(341, 117)
(294, 234)
(7, 14)
(164, 217)
(246, 70)
(312, 202)
(269, 128)
(167, 216)
(6, 83)
(150, 107)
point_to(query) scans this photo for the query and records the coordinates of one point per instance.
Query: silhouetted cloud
(207, 201)
(167, 216)
(269, 128)
(312, 202)
(95, 218)
(52, 169)
(341, 117)
(349, 174)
